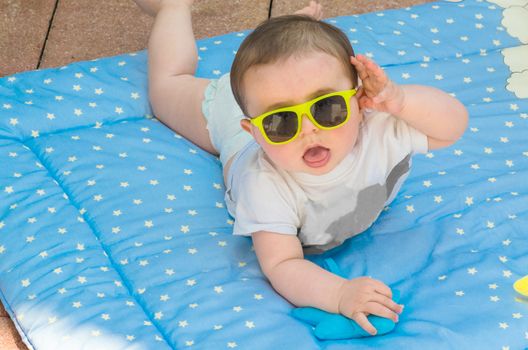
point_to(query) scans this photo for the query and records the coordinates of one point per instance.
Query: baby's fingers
(381, 311)
(363, 63)
(362, 320)
(372, 76)
(371, 66)
(383, 296)
(360, 67)
(388, 303)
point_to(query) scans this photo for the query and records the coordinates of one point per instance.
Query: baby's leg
(176, 95)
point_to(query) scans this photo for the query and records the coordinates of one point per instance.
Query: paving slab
(23, 28)
(334, 8)
(3, 313)
(9, 337)
(215, 17)
(84, 30)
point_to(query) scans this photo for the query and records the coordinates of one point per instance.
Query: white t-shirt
(325, 210)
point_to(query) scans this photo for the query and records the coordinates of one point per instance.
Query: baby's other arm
(304, 283)
(435, 113)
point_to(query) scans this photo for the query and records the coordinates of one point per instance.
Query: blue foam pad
(114, 233)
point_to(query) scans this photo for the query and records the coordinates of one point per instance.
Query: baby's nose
(307, 126)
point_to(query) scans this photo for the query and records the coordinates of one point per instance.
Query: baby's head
(287, 61)
(282, 37)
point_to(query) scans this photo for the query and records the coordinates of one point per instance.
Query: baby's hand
(363, 296)
(377, 91)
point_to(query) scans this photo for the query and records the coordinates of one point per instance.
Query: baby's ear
(360, 92)
(246, 126)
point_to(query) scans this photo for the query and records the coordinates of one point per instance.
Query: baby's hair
(286, 36)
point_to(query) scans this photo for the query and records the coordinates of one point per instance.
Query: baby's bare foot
(314, 10)
(151, 7)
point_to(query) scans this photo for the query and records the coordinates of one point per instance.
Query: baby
(310, 157)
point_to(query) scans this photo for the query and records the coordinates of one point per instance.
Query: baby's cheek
(348, 135)
(283, 157)
(354, 108)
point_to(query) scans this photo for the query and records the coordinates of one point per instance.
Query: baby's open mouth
(316, 157)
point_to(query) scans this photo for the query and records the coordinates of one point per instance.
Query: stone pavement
(50, 33)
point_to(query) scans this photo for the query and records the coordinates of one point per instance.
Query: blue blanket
(114, 232)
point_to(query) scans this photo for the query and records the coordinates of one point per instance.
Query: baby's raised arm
(303, 283)
(432, 111)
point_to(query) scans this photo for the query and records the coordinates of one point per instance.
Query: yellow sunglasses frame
(300, 110)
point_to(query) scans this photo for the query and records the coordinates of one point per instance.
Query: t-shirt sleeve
(397, 133)
(264, 203)
(417, 140)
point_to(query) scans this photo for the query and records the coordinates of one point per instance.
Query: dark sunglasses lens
(281, 126)
(330, 111)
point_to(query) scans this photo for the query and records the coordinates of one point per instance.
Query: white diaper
(223, 119)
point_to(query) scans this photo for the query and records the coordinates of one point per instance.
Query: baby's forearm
(299, 280)
(305, 284)
(434, 113)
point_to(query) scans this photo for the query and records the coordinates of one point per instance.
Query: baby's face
(291, 82)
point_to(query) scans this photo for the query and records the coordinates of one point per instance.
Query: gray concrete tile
(23, 28)
(333, 8)
(3, 313)
(9, 337)
(84, 30)
(214, 17)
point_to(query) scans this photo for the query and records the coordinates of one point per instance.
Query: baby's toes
(310, 10)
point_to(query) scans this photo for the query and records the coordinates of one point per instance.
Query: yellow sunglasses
(283, 125)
